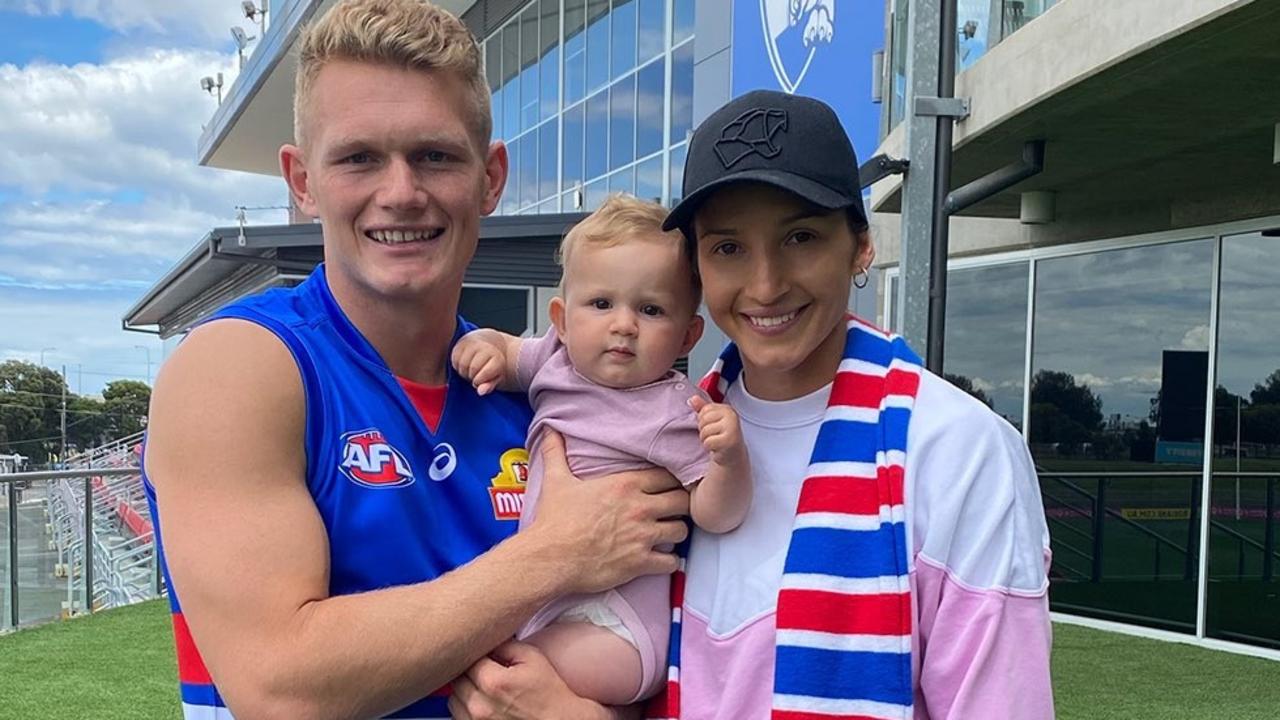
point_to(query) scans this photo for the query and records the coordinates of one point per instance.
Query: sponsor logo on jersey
(507, 491)
(369, 460)
(443, 462)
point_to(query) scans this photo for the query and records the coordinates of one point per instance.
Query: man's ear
(556, 310)
(692, 334)
(496, 167)
(293, 167)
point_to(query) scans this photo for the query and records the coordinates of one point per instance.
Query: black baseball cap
(792, 142)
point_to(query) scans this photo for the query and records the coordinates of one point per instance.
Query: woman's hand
(517, 682)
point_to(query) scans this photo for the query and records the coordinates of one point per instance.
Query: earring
(864, 276)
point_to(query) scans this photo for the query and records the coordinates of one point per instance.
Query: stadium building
(1116, 307)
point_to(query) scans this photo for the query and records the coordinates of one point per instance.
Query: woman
(893, 564)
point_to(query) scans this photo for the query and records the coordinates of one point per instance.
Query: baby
(603, 378)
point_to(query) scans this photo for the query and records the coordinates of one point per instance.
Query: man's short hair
(624, 218)
(411, 34)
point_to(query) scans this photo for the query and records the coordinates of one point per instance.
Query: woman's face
(775, 274)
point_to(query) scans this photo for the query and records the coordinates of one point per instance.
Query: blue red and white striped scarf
(844, 607)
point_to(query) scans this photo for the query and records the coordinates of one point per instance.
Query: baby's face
(629, 312)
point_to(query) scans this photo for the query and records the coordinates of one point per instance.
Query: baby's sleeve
(533, 354)
(676, 445)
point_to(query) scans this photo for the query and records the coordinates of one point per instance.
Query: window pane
(567, 201)
(511, 80)
(597, 44)
(652, 24)
(682, 21)
(500, 308)
(622, 122)
(681, 92)
(1119, 356)
(595, 194)
(575, 51)
(623, 181)
(986, 335)
(677, 173)
(597, 135)
(573, 129)
(529, 169)
(550, 62)
(548, 153)
(649, 179)
(511, 195)
(624, 36)
(529, 82)
(1244, 594)
(649, 108)
(493, 74)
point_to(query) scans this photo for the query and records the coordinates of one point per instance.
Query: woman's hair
(411, 34)
(620, 219)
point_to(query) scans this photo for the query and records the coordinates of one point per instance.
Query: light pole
(43, 351)
(147, 350)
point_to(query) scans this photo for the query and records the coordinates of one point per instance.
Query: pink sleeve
(677, 445)
(534, 353)
(982, 653)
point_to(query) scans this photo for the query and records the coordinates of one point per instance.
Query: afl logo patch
(369, 460)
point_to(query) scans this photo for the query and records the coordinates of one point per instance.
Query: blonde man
(602, 377)
(322, 482)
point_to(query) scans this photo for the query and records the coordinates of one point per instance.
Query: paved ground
(40, 594)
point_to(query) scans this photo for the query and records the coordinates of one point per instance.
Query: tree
(1267, 392)
(87, 422)
(126, 403)
(1062, 411)
(967, 385)
(30, 401)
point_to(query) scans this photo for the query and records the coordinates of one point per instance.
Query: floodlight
(242, 40)
(250, 10)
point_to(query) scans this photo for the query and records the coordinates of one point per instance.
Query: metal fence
(75, 541)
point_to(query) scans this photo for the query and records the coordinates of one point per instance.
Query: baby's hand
(479, 361)
(720, 431)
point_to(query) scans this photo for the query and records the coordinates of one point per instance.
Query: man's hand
(480, 356)
(605, 530)
(516, 682)
(719, 430)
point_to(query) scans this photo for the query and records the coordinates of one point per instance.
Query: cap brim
(817, 193)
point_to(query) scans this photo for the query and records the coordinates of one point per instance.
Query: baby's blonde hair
(411, 34)
(626, 218)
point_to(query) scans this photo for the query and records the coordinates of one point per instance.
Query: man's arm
(488, 358)
(248, 552)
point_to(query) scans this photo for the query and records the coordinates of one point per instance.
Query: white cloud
(206, 19)
(76, 140)
(1197, 338)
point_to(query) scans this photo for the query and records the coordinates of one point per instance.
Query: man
(327, 492)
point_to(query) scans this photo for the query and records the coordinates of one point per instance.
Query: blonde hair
(624, 218)
(412, 34)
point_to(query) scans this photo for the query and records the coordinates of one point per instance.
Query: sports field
(118, 665)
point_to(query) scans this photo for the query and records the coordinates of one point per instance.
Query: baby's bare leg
(594, 662)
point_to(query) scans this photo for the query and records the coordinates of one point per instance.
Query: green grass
(116, 665)
(1100, 676)
(119, 664)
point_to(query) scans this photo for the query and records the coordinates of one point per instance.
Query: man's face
(393, 170)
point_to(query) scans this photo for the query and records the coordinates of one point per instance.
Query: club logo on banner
(805, 47)
(794, 30)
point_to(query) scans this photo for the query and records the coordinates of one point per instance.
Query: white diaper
(597, 612)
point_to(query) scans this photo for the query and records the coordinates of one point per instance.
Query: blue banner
(819, 48)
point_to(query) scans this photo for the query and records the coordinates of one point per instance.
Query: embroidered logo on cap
(754, 132)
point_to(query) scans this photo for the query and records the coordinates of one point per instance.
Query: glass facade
(1127, 370)
(592, 97)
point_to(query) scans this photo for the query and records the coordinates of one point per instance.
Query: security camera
(250, 10)
(206, 84)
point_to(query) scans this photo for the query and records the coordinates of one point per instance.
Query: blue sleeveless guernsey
(401, 504)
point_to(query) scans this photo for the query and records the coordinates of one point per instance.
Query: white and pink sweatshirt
(979, 550)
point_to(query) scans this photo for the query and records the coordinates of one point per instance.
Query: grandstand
(77, 540)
